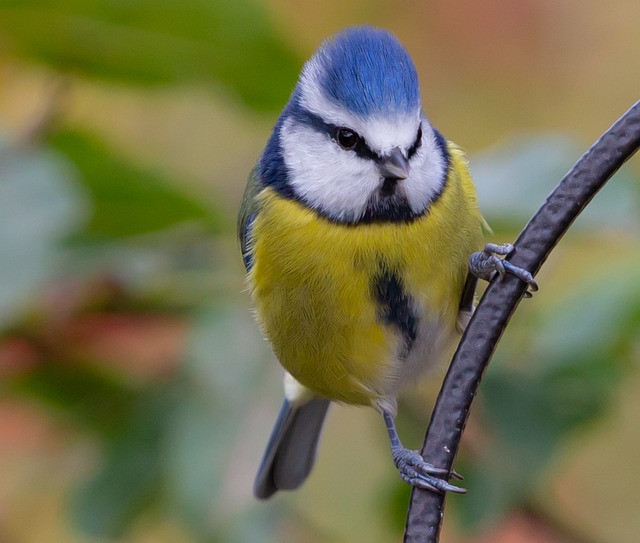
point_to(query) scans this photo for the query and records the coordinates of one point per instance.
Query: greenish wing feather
(249, 208)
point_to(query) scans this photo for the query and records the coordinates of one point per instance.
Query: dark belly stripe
(395, 307)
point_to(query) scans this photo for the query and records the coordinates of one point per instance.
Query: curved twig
(500, 300)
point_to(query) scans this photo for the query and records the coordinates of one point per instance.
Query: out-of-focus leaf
(224, 359)
(260, 524)
(83, 393)
(529, 419)
(591, 321)
(225, 355)
(515, 178)
(40, 204)
(131, 477)
(127, 200)
(177, 443)
(229, 42)
(565, 380)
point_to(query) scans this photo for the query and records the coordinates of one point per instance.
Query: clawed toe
(417, 472)
(484, 264)
(521, 274)
(427, 482)
(414, 469)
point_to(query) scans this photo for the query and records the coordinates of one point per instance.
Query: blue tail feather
(291, 450)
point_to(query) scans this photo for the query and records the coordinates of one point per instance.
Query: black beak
(394, 165)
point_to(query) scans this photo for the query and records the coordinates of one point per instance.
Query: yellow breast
(316, 285)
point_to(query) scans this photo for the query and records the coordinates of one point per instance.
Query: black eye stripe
(361, 148)
(416, 144)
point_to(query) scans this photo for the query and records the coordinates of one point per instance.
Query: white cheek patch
(341, 184)
(427, 174)
(323, 175)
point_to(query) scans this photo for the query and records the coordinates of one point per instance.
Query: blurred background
(136, 394)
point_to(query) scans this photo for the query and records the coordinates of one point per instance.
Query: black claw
(439, 485)
(455, 489)
(435, 471)
(425, 485)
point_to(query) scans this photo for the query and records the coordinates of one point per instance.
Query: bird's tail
(291, 450)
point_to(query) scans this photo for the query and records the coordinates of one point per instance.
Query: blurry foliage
(131, 476)
(537, 394)
(40, 204)
(127, 201)
(89, 240)
(515, 178)
(226, 42)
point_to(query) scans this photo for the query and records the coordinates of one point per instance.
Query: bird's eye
(347, 139)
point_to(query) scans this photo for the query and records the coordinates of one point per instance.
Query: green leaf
(490, 497)
(127, 200)
(82, 392)
(229, 42)
(130, 479)
(514, 179)
(565, 380)
(223, 368)
(590, 322)
(40, 204)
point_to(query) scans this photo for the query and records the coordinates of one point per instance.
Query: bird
(363, 242)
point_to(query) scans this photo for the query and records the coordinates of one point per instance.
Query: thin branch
(500, 300)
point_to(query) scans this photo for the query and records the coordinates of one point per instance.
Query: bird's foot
(486, 263)
(415, 471)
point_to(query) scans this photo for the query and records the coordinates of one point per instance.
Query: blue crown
(368, 71)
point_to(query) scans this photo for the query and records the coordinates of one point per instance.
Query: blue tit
(357, 227)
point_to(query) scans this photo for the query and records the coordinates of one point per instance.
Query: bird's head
(353, 143)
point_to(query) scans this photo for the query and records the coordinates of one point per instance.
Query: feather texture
(314, 285)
